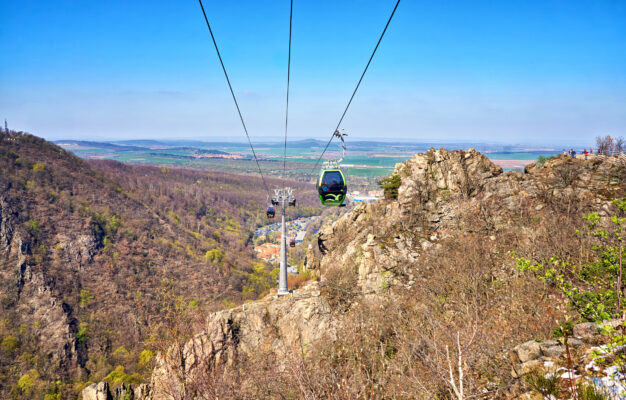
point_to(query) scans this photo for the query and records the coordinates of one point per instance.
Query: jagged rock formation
(276, 325)
(390, 248)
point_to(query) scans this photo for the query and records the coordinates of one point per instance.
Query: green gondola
(331, 184)
(331, 187)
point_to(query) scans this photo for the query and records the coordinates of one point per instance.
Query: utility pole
(283, 197)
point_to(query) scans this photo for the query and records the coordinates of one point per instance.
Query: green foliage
(119, 375)
(565, 328)
(612, 353)
(38, 167)
(390, 186)
(33, 225)
(85, 297)
(55, 390)
(547, 385)
(591, 392)
(31, 185)
(542, 160)
(10, 344)
(215, 254)
(145, 357)
(26, 382)
(173, 217)
(591, 287)
(259, 280)
(120, 352)
(81, 335)
(109, 222)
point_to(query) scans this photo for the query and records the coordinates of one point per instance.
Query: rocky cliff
(405, 288)
(91, 259)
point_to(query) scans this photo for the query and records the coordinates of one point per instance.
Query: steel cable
(287, 103)
(234, 98)
(356, 88)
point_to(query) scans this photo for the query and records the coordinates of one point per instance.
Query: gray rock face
(437, 175)
(7, 216)
(99, 391)
(274, 324)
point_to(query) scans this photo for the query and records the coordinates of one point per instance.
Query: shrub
(81, 335)
(339, 288)
(591, 392)
(33, 225)
(145, 356)
(85, 297)
(10, 344)
(593, 288)
(120, 352)
(215, 254)
(547, 385)
(38, 167)
(26, 382)
(119, 375)
(390, 186)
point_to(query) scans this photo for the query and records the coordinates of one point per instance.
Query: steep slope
(407, 289)
(93, 258)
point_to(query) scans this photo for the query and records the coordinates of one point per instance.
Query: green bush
(85, 297)
(145, 357)
(26, 382)
(215, 254)
(33, 225)
(81, 335)
(119, 375)
(547, 385)
(591, 392)
(591, 288)
(120, 352)
(38, 167)
(390, 186)
(10, 344)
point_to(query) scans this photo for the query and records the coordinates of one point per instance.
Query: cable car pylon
(283, 197)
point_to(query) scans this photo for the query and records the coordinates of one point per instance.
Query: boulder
(524, 352)
(586, 330)
(97, 391)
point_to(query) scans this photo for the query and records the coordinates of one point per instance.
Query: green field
(366, 161)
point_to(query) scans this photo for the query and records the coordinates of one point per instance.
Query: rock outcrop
(378, 244)
(275, 324)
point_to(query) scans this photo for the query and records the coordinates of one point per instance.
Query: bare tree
(609, 145)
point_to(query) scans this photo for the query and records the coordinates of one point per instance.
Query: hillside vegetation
(419, 296)
(95, 256)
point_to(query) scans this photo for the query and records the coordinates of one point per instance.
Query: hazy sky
(509, 71)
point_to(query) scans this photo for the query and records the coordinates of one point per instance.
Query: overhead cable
(357, 87)
(234, 97)
(287, 103)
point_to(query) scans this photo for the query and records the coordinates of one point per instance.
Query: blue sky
(542, 72)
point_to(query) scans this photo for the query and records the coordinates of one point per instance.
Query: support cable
(234, 97)
(287, 104)
(356, 88)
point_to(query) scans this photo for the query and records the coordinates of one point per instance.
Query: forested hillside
(93, 257)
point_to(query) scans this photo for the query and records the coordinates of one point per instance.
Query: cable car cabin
(331, 187)
(292, 242)
(270, 212)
